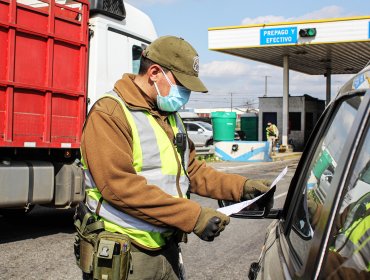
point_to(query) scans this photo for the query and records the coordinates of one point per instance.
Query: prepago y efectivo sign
(278, 36)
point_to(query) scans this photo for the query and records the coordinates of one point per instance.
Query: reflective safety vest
(156, 158)
(353, 239)
(272, 130)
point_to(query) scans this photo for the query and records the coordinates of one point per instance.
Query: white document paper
(235, 208)
(280, 176)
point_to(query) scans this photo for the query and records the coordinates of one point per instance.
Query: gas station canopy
(340, 46)
(316, 47)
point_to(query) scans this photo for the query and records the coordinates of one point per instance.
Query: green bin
(223, 124)
(249, 125)
(322, 163)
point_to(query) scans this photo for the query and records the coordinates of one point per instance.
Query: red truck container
(43, 73)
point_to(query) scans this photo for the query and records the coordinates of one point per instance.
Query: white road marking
(280, 195)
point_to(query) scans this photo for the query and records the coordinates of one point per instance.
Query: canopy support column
(285, 100)
(328, 85)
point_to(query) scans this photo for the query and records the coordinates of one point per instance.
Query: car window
(207, 126)
(318, 178)
(192, 127)
(348, 256)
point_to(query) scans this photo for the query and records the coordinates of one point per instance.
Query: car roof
(198, 122)
(359, 81)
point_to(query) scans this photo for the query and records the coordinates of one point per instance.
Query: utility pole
(266, 85)
(231, 101)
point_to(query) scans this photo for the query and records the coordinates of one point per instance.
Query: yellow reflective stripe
(173, 124)
(359, 231)
(84, 166)
(358, 228)
(94, 193)
(175, 130)
(365, 243)
(152, 240)
(166, 149)
(136, 149)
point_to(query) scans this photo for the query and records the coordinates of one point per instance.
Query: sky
(233, 81)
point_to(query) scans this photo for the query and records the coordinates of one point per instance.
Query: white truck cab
(115, 48)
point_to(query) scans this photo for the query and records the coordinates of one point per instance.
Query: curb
(284, 156)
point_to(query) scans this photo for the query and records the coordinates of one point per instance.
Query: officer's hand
(210, 223)
(253, 188)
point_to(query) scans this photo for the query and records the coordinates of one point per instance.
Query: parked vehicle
(201, 133)
(57, 58)
(323, 230)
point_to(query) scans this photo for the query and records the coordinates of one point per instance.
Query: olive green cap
(179, 57)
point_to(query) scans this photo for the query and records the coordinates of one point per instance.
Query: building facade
(304, 112)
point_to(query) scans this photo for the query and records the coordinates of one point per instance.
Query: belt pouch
(112, 256)
(86, 256)
(84, 252)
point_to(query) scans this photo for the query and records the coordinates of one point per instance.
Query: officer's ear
(154, 73)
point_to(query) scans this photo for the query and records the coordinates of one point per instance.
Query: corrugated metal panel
(314, 59)
(43, 76)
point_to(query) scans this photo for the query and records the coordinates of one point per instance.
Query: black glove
(210, 223)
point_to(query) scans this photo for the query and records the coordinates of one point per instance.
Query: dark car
(323, 230)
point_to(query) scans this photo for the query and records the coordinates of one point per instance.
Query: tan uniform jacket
(107, 150)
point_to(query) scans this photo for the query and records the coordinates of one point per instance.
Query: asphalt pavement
(40, 244)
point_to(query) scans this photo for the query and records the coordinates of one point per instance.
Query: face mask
(135, 66)
(176, 98)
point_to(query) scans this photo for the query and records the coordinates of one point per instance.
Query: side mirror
(255, 210)
(328, 178)
(200, 130)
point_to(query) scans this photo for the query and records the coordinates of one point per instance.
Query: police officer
(138, 175)
(272, 134)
